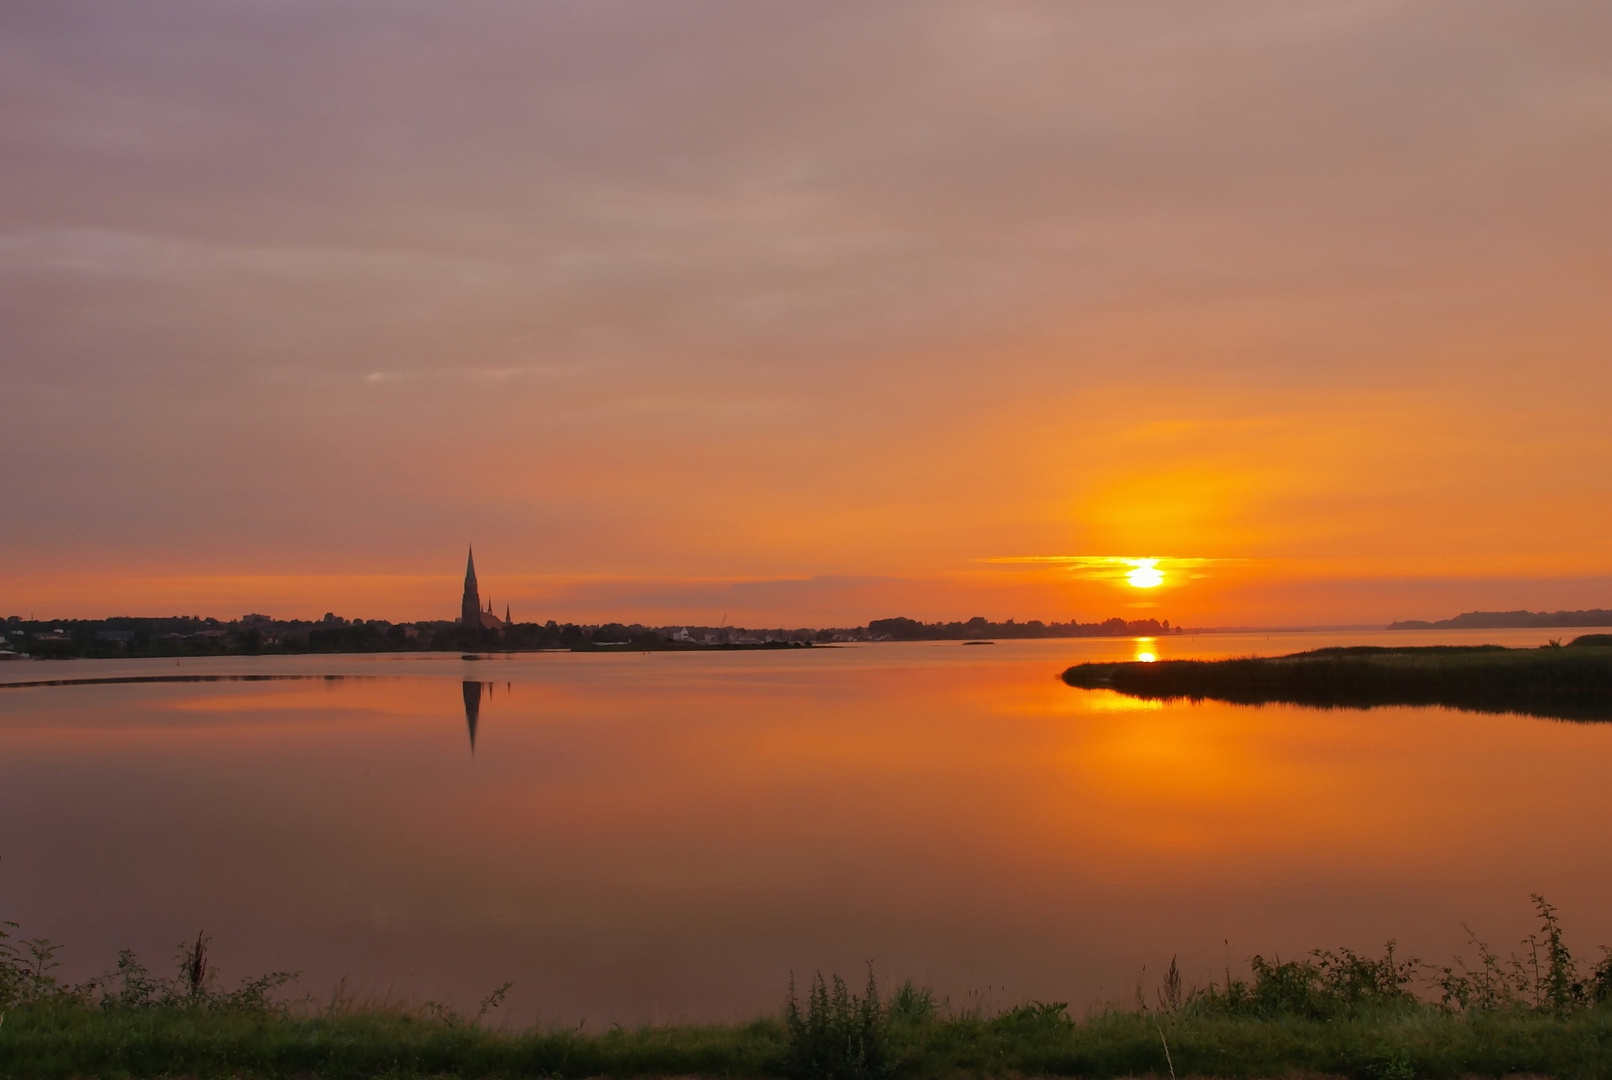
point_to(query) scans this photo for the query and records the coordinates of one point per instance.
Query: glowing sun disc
(1146, 575)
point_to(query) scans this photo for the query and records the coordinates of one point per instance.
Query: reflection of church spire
(472, 710)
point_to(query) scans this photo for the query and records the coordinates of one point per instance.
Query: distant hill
(1502, 620)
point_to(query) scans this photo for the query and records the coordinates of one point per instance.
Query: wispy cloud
(1115, 567)
(467, 374)
(813, 289)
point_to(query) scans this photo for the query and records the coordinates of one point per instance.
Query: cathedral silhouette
(470, 610)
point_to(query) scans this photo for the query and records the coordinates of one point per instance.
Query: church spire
(470, 605)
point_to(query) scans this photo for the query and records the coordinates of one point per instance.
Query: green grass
(1333, 1012)
(62, 1041)
(66, 1041)
(1569, 683)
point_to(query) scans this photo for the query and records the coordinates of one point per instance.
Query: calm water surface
(667, 836)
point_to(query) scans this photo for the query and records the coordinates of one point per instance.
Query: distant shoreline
(260, 635)
(1513, 620)
(128, 637)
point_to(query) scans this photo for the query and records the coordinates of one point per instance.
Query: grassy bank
(1335, 1012)
(1572, 682)
(61, 1042)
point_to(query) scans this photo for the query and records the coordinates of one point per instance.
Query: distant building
(470, 606)
(489, 621)
(470, 609)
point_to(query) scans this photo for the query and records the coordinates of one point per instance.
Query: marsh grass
(1572, 682)
(1538, 1010)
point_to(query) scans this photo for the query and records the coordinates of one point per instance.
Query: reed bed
(1572, 682)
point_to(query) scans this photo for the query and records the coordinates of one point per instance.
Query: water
(658, 837)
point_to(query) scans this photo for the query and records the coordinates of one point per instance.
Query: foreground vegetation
(1335, 1012)
(1572, 682)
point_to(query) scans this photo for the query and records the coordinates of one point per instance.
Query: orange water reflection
(665, 836)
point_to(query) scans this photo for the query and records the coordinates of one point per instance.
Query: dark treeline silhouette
(1565, 683)
(1511, 620)
(257, 634)
(182, 635)
(189, 635)
(899, 629)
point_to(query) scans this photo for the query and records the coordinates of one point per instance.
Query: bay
(639, 837)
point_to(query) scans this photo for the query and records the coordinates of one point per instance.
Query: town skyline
(1142, 574)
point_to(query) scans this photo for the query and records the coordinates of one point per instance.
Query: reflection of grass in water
(1569, 683)
(1334, 1011)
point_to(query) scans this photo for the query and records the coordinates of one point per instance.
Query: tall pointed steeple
(470, 606)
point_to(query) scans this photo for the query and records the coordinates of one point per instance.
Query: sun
(1145, 574)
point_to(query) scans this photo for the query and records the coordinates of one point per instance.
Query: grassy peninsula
(1331, 1012)
(1571, 682)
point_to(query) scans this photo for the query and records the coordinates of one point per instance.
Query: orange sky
(806, 314)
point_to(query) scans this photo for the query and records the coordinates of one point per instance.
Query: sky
(802, 314)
